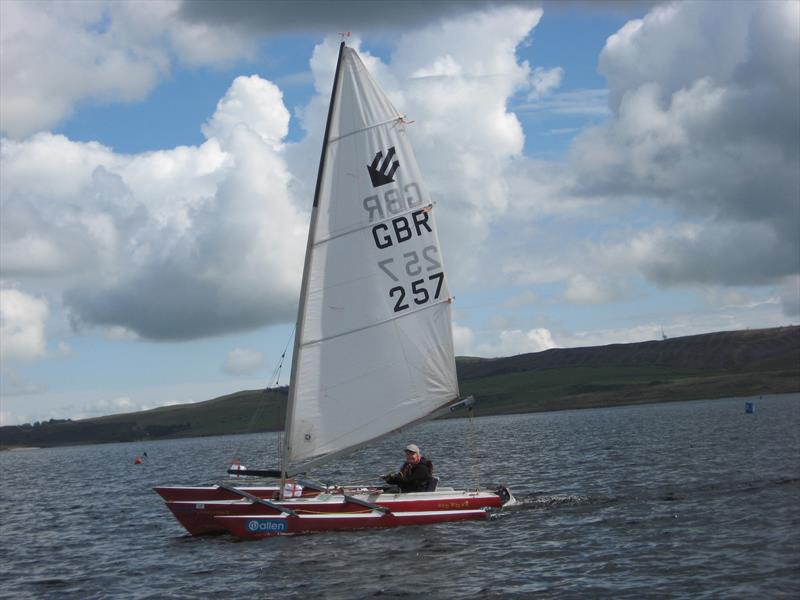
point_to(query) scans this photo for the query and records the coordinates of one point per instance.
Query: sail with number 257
(374, 344)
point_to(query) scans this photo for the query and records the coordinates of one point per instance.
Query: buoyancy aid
(407, 467)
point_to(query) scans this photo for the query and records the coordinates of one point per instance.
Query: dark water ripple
(689, 500)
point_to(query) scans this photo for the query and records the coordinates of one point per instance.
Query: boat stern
(506, 497)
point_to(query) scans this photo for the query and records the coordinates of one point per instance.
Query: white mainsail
(374, 345)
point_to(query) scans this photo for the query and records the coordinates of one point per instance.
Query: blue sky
(623, 168)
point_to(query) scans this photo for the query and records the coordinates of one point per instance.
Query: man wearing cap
(415, 474)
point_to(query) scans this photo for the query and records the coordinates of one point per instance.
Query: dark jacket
(413, 477)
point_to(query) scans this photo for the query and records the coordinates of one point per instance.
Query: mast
(304, 285)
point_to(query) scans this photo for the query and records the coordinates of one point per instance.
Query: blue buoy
(749, 408)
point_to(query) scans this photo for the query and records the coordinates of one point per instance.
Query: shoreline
(533, 410)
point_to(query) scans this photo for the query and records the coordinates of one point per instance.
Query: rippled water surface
(685, 500)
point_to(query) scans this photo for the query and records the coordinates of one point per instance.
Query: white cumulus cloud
(705, 119)
(174, 244)
(254, 103)
(22, 322)
(544, 81)
(58, 54)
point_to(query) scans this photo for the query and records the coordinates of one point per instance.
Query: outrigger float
(373, 349)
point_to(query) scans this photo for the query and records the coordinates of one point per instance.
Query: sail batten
(374, 348)
(316, 461)
(311, 342)
(388, 122)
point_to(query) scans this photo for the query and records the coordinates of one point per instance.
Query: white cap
(412, 448)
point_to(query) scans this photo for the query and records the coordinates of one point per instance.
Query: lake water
(682, 500)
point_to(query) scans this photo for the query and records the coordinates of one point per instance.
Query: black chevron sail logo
(385, 173)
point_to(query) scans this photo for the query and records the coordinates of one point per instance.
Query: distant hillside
(714, 365)
(727, 350)
(242, 412)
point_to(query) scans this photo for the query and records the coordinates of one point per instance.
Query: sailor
(416, 473)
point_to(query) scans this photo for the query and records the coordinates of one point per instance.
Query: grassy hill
(715, 365)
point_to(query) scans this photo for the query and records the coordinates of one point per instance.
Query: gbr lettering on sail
(403, 235)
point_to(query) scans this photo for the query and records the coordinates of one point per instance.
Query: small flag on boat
(292, 489)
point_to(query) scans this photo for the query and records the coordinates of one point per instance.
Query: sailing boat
(373, 351)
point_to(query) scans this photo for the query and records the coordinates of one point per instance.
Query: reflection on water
(682, 500)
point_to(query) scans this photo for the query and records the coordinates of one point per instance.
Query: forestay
(374, 348)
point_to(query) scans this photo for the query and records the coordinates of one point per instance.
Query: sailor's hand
(388, 476)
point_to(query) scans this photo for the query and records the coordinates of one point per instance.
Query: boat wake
(549, 501)
(543, 500)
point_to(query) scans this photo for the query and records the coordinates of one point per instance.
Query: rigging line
(276, 373)
(283, 355)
